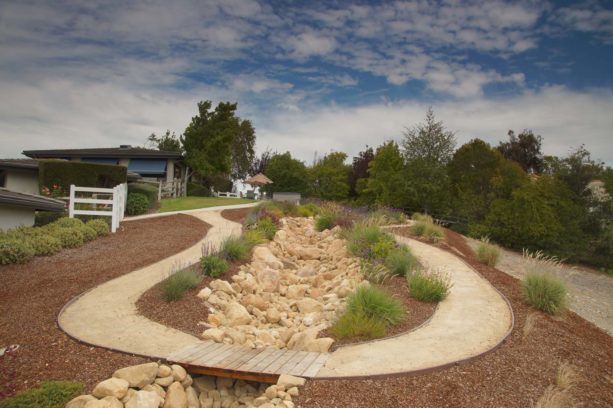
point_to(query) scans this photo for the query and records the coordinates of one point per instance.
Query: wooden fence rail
(113, 205)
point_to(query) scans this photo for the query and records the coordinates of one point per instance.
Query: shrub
(89, 234)
(419, 217)
(369, 242)
(213, 265)
(51, 394)
(358, 325)
(100, 226)
(198, 190)
(69, 237)
(68, 222)
(254, 237)
(175, 286)
(428, 287)
(488, 253)
(375, 304)
(544, 292)
(400, 261)
(149, 190)
(235, 248)
(14, 251)
(266, 227)
(325, 221)
(308, 210)
(137, 204)
(45, 244)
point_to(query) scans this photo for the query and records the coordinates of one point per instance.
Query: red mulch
(32, 295)
(514, 375)
(417, 313)
(237, 215)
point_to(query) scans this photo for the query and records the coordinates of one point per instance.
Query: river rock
(264, 255)
(175, 396)
(80, 401)
(267, 278)
(178, 372)
(113, 387)
(289, 381)
(138, 375)
(236, 314)
(98, 404)
(212, 334)
(192, 398)
(144, 399)
(222, 286)
(255, 301)
(309, 305)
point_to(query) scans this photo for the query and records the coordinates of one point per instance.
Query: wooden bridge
(263, 365)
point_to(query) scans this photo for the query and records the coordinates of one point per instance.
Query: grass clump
(235, 249)
(400, 261)
(488, 253)
(100, 226)
(254, 237)
(358, 325)
(374, 303)
(375, 272)
(267, 227)
(51, 394)
(308, 210)
(419, 217)
(424, 226)
(325, 221)
(428, 286)
(175, 286)
(213, 265)
(545, 292)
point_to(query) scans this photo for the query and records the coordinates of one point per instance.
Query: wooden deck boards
(240, 362)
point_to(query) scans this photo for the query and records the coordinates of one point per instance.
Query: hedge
(197, 190)
(64, 173)
(149, 190)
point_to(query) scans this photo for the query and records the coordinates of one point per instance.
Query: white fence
(113, 207)
(227, 194)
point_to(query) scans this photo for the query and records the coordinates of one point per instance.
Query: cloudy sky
(312, 76)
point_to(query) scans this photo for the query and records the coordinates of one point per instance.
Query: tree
(330, 177)
(524, 149)
(243, 152)
(359, 169)
(386, 183)
(428, 147)
(218, 143)
(167, 142)
(259, 164)
(287, 174)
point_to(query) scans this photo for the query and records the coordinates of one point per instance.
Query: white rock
(80, 401)
(175, 396)
(144, 399)
(113, 387)
(236, 314)
(138, 375)
(164, 371)
(204, 293)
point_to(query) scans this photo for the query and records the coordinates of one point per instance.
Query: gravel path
(107, 316)
(591, 292)
(472, 320)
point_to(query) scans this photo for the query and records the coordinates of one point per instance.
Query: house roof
(24, 164)
(35, 202)
(112, 152)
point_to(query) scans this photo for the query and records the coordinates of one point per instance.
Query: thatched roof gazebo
(258, 180)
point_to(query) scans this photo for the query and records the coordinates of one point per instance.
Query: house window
(2, 179)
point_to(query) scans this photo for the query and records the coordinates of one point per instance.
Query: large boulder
(144, 399)
(98, 404)
(213, 334)
(236, 314)
(175, 396)
(192, 398)
(113, 387)
(264, 255)
(113, 402)
(289, 381)
(301, 340)
(80, 401)
(139, 375)
(267, 278)
(222, 286)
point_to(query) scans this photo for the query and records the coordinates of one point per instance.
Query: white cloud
(308, 44)
(589, 17)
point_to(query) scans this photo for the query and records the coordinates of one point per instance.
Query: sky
(312, 76)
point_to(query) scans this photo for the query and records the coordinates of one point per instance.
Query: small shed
(286, 197)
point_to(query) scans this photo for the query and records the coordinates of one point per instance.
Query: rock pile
(155, 385)
(292, 289)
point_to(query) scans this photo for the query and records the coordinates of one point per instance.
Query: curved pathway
(473, 319)
(107, 316)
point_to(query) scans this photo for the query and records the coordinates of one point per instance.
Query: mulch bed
(237, 215)
(32, 295)
(514, 375)
(417, 313)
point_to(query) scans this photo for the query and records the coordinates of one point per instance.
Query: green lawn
(191, 203)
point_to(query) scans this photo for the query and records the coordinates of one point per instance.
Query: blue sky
(312, 76)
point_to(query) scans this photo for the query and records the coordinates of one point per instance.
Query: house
(20, 175)
(152, 165)
(17, 209)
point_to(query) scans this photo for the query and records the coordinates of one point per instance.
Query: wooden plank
(295, 360)
(304, 364)
(316, 366)
(279, 362)
(185, 351)
(268, 360)
(90, 212)
(203, 352)
(93, 189)
(213, 359)
(244, 375)
(92, 201)
(244, 358)
(239, 352)
(248, 366)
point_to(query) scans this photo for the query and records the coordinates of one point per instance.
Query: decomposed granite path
(107, 316)
(473, 319)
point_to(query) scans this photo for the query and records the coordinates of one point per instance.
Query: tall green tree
(287, 174)
(359, 169)
(330, 177)
(428, 147)
(386, 184)
(243, 149)
(524, 149)
(167, 142)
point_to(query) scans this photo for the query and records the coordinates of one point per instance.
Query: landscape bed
(514, 375)
(33, 294)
